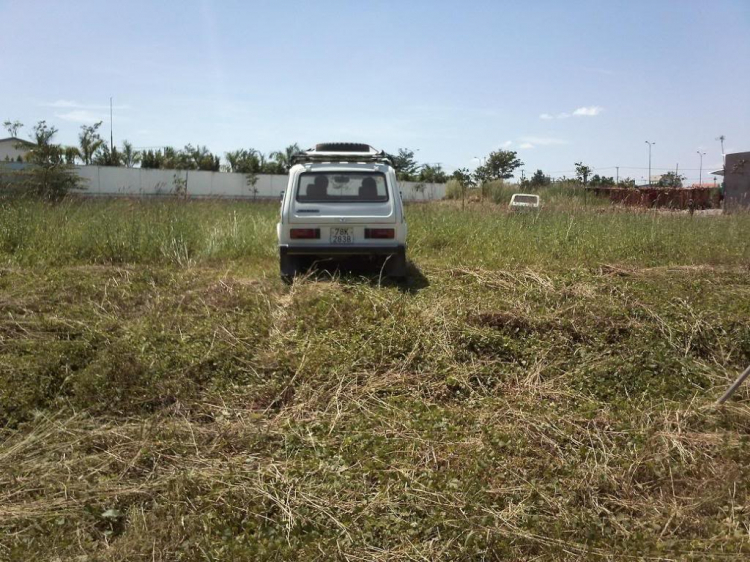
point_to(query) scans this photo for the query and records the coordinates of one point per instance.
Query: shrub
(498, 191)
(453, 189)
(49, 176)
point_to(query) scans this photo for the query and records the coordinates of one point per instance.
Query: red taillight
(380, 233)
(304, 233)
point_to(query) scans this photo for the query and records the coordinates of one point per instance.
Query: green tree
(601, 181)
(538, 179)
(233, 158)
(463, 176)
(130, 156)
(670, 179)
(405, 165)
(170, 159)
(90, 142)
(105, 157)
(151, 159)
(198, 158)
(432, 173)
(189, 158)
(12, 127)
(500, 165)
(72, 154)
(283, 158)
(465, 180)
(582, 173)
(245, 161)
(50, 176)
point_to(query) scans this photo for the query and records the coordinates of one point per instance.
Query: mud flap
(395, 265)
(289, 266)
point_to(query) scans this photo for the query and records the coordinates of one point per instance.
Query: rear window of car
(524, 199)
(342, 187)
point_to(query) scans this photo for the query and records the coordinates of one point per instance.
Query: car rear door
(337, 210)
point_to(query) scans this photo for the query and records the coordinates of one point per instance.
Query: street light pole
(700, 173)
(650, 144)
(111, 134)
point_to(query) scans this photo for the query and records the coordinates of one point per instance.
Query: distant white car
(524, 201)
(342, 199)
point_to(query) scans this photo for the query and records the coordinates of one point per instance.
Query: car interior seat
(319, 188)
(368, 189)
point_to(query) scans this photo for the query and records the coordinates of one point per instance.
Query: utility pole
(111, 135)
(700, 173)
(676, 173)
(650, 144)
(617, 181)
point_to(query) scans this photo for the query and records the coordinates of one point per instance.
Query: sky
(559, 82)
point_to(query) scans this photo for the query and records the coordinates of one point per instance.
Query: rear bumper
(342, 250)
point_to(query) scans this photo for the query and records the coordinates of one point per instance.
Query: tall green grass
(576, 236)
(568, 232)
(134, 231)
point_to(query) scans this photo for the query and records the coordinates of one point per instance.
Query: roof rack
(350, 152)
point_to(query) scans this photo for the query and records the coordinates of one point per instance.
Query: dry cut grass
(485, 410)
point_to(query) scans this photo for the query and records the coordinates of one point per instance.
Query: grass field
(542, 387)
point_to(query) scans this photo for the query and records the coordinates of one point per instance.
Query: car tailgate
(362, 213)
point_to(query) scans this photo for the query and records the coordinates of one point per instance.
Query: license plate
(342, 235)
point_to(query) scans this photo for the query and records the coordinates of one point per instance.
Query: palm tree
(71, 153)
(246, 161)
(90, 142)
(233, 157)
(169, 159)
(284, 159)
(262, 161)
(105, 157)
(130, 157)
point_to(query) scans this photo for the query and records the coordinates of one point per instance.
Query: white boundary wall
(129, 182)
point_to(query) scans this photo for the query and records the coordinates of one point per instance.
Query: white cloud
(81, 116)
(543, 141)
(70, 104)
(526, 145)
(585, 111)
(507, 144)
(61, 103)
(589, 111)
